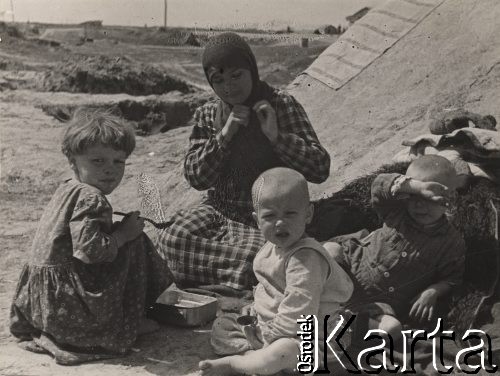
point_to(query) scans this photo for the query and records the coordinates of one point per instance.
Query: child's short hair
(433, 168)
(89, 127)
(279, 180)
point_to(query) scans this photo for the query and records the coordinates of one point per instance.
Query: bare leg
(278, 356)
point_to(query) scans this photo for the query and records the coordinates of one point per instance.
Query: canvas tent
(446, 56)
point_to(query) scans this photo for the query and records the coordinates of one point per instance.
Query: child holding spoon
(82, 296)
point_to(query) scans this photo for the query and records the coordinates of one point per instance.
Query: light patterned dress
(80, 297)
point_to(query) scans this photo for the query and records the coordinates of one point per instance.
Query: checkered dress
(215, 243)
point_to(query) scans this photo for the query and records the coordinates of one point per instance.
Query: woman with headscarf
(249, 128)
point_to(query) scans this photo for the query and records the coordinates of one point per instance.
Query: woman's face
(232, 85)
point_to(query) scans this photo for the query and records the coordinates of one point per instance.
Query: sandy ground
(450, 60)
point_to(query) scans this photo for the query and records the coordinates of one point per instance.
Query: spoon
(161, 226)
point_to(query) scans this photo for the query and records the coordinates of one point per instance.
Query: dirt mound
(162, 114)
(104, 74)
(64, 35)
(149, 115)
(177, 38)
(10, 64)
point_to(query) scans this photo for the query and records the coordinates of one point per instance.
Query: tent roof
(450, 59)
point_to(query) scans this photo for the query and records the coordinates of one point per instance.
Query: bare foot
(147, 326)
(216, 367)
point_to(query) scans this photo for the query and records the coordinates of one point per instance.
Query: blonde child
(402, 270)
(296, 277)
(82, 295)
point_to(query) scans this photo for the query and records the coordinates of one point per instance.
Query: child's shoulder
(309, 246)
(83, 188)
(307, 242)
(452, 232)
(450, 243)
(71, 190)
(72, 198)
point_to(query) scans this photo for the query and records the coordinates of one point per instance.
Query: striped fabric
(204, 247)
(367, 39)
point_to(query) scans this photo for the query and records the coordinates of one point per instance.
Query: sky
(267, 14)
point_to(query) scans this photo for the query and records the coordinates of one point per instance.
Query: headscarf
(229, 50)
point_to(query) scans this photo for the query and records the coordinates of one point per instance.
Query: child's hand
(267, 117)
(432, 191)
(423, 307)
(248, 310)
(129, 228)
(239, 115)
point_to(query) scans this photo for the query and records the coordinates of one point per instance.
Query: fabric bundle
(470, 141)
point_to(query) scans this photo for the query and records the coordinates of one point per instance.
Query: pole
(12, 10)
(165, 15)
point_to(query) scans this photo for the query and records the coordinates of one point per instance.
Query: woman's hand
(267, 117)
(239, 116)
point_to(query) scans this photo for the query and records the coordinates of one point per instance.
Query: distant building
(356, 16)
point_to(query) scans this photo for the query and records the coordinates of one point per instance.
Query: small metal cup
(248, 325)
(247, 320)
